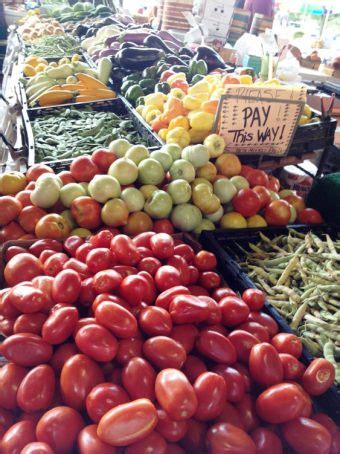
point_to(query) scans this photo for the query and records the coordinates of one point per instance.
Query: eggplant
(111, 39)
(212, 58)
(157, 42)
(186, 51)
(138, 57)
(81, 30)
(169, 37)
(127, 44)
(108, 52)
(186, 59)
(90, 32)
(174, 60)
(135, 37)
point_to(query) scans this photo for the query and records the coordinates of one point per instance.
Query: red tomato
(138, 378)
(296, 201)
(171, 430)
(185, 251)
(230, 415)
(83, 168)
(36, 390)
(34, 172)
(209, 280)
(244, 371)
(60, 325)
(327, 422)
(185, 335)
(52, 226)
(273, 184)
(264, 194)
(26, 349)
(163, 226)
(102, 239)
(254, 298)
(197, 290)
(280, 403)
(97, 342)
(61, 355)
(305, 435)
(188, 309)
(45, 255)
(83, 322)
(11, 231)
(222, 292)
(11, 375)
(164, 299)
(24, 197)
(234, 310)
(59, 428)
(266, 441)
(257, 177)
(17, 437)
(129, 348)
(125, 270)
(215, 313)
(175, 394)
(167, 277)
(155, 321)
(125, 250)
(265, 320)
(215, 346)
(144, 252)
(99, 259)
(14, 250)
(181, 265)
(310, 216)
(134, 289)
(27, 299)
(193, 274)
(10, 207)
(128, 423)
(66, 287)
(225, 438)
(292, 368)
(29, 323)
(7, 310)
(86, 212)
(89, 443)
(66, 177)
(277, 212)
(82, 251)
(318, 377)
(205, 261)
(265, 365)
(103, 158)
(195, 437)
(218, 328)
(78, 376)
(77, 266)
(22, 267)
(117, 319)
(44, 283)
(162, 245)
(102, 398)
(287, 343)
(143, 239)
(211, 392)
(246, 202)
(87, 292)
(247, 412)
(41, 245)
(37, 447)
(153, 444)
(164, 352)
(236, 385)
(106, 281)
(29, 216)
(149, 264)
(257, 330)
(54, 264)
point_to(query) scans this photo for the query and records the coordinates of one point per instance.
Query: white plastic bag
(288, 69)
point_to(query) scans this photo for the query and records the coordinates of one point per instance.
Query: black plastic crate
(117, 106)
(228, 246)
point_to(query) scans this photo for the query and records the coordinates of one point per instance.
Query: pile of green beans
(71, 132)
(55, 46)
(301, 275)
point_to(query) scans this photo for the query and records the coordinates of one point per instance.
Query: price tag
(259, 119)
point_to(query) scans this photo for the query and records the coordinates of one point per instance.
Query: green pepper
(126, 85)
(135, 77)
(198, 67)
(134, 93)
(180, 69)
(150, 72)
(196, 78)
(147, 84)
(163, 87)
(140, 101)
(162, 68)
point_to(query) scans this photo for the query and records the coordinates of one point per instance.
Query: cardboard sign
(259, 119)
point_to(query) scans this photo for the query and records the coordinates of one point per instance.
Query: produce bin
(229, 246)
(117, 106)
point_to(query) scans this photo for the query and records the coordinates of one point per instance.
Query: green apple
(174, 150)
(67, 215)
(239, 182)
(119, 147)
(293, 215)
(124, 170)
(164, 158)
(85, 186)
(150, 171)
(104, 187)
(180, 191)
(215, 145)
(133, 198)
(215, 217)
(158, 205)
(224, 189)
(137, 153)
(285, 192)
(71, 191)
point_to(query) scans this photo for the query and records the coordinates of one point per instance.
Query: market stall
(169, 229)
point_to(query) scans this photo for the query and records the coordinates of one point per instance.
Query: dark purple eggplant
(138, 58)
(212, 58)
(111, 39)
(169, 37)
(126, 45)
(157, 42)
(174, 60)
(186, 51)
(134, 37)
(173, 46)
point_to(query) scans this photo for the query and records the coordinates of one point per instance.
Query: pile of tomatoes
(134, 344)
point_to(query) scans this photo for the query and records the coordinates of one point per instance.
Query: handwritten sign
(259, 119)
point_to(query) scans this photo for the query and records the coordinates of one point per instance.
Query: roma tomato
(265, 320)
(128, 423)
(247, 411)
(36, 390)
(230, 415)
(153, 444)
(185, 251)
(11, 231)
(22, 267)
(52, 226)
(305, 435)
(26, 350)
(44, 283)
(194, 274)
(181, 265)
(257, 330)
(138, 377)
(83, 168)
(175, 394)
(60, 325)
(155, 321)
(66, 287)
(195, 437)
(171, 430)
(87, 292)
(143, 239)
(266, 441)
(209, 280)
(164, 299)
(185, 335)
(29, 216)
(265, 365)
(106, 281)
(164, 352)
(225, 438)
(129, 348)
(254, 298)
(11, 375)
(89, 443)
(54, 264)
(149, 264)
(205, 261)
(99, 259)
(41, 245)
(222, 292)
(236, 385)
(36, 447)
(125, 250)
(287, 343)
(78, 376)
(215, 346)
(215, 312)
(134, 289)
(188, 309)
(117, 319)
(86, 212)
(193, 368)
(61, 355)
(318, 377)
(78, 267)
(59, 428)
(97, 342)
(162, 245)
(211, 392)
(17, 437)
(82, 251)
(292, 368)
(234, 310)
(45, 255)
(102, 398)
(280, 403)
(15, 250)
(277, 212)
(310, 216)
(27, 299)
(167, 277)
(102, 239)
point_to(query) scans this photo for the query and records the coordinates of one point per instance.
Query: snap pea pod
(53, 46)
